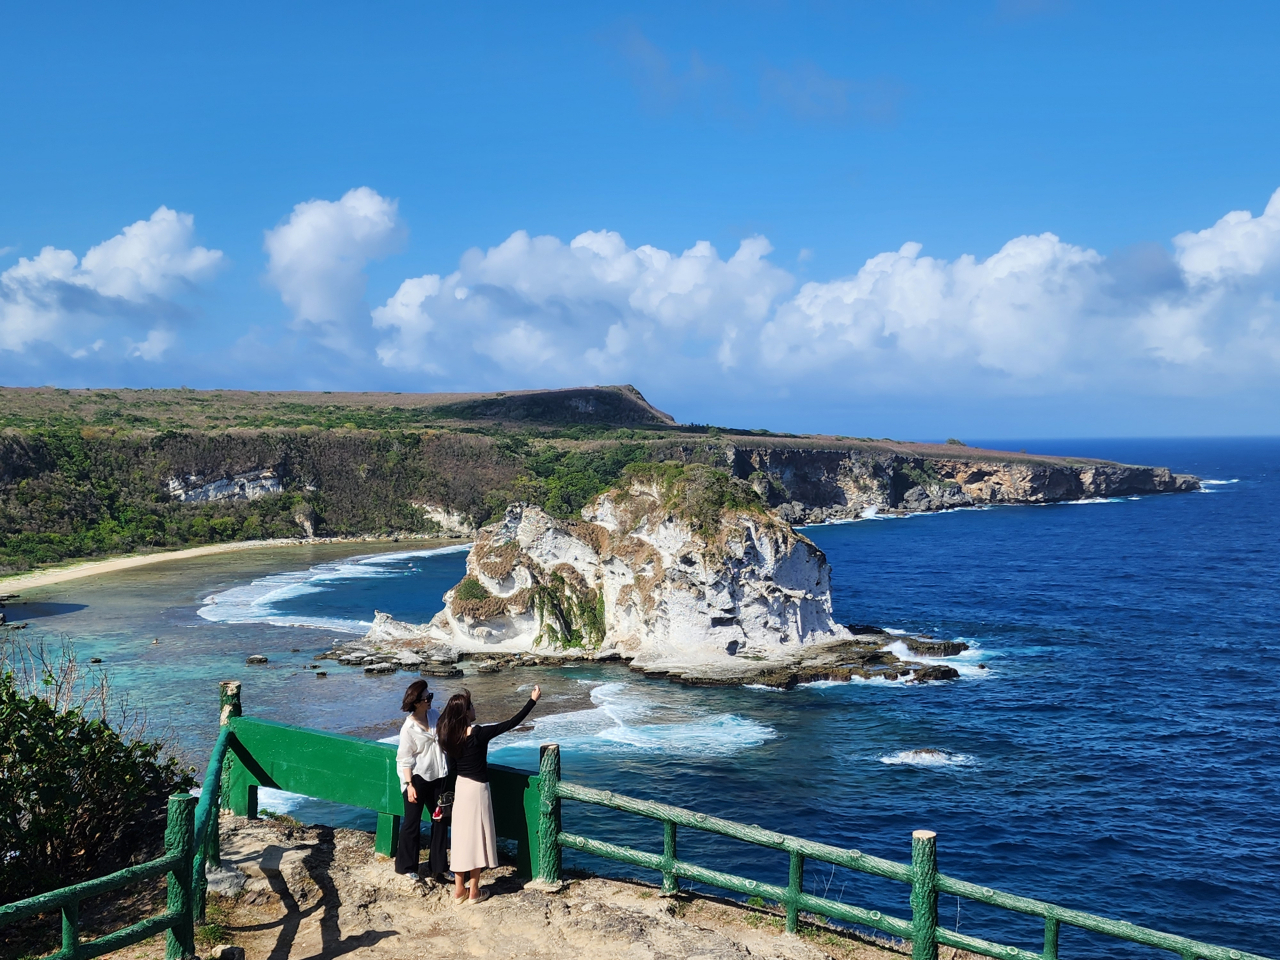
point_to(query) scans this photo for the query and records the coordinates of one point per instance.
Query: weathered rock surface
(452, 523)
(816, 484)
(635, 579)
(242, 486)
(734, 596)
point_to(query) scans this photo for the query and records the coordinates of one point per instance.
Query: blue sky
(1001, 218)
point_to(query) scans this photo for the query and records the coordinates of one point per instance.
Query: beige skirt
(474, 840)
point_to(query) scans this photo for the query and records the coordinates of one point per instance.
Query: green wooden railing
(921, 874)
(355, 772)
(177, 920)
(250, 753)
(191, 833)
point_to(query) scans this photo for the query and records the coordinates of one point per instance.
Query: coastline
(90, 568)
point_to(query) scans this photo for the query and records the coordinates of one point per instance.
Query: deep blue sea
(1119, 753)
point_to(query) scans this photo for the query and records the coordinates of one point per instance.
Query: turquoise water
(1118, 755)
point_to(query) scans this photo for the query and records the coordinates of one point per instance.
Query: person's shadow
(317, 863)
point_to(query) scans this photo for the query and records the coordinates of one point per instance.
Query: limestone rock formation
(677, 569)
(243, 486)
(813, 484)
(453, 523)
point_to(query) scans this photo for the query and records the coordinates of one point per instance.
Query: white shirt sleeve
(405, 752)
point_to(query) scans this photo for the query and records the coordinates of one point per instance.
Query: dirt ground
(315, 892)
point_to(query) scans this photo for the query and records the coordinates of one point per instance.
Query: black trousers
(410, 847)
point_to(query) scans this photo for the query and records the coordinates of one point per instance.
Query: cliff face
(811, 485)
(634, 578)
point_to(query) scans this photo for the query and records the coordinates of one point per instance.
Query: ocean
(1118, 753)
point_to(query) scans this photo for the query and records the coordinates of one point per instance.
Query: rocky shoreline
(864, 656)
(809, 484)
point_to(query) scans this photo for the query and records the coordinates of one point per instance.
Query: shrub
(698, 493)
(77, 797)
(469, 588)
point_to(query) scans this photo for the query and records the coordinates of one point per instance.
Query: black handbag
(444, 805)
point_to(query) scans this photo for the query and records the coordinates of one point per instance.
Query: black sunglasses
(427, 699)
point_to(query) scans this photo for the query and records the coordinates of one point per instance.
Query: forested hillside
(91, 472)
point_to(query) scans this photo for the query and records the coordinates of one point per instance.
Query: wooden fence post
(795, 887)
(924, 895)
(179, 838)
(549, 823)
(670, 884)
(70, 928)
(238, 795)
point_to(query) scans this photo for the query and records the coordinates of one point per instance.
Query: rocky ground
(864, 656)
(316, 892)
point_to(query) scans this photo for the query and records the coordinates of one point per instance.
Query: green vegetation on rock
(698, 493)
(571, 613)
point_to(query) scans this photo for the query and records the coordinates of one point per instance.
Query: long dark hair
(412, 695)
(451, 728)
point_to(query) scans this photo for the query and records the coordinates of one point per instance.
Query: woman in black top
(474, 842)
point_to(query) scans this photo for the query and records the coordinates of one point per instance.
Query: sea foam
(624, 722)
(256, 602)
(965, 663)
(928, 758)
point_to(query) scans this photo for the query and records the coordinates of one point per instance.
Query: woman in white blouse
(424, 775)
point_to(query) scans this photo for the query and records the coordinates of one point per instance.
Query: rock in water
(936, 672)
(928, 647)
(256, 658)
(685, 566)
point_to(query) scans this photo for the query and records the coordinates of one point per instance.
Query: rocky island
(681, 571)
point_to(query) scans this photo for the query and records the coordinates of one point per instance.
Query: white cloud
(154, 347)
(317, 259)
(58, 299)
(149, 258)
(1014, 312)
(543, 309)
(1040, 315)
(1239, 245)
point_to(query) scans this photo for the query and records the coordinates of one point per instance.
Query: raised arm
(487, 732)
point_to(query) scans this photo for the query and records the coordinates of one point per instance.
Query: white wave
(1217, 483)
(256, 602)
(965, 663)
(279, 801)
(1101, 500)
(928, 758)
(623, 722)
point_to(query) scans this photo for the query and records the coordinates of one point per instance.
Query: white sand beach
(93, 568)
